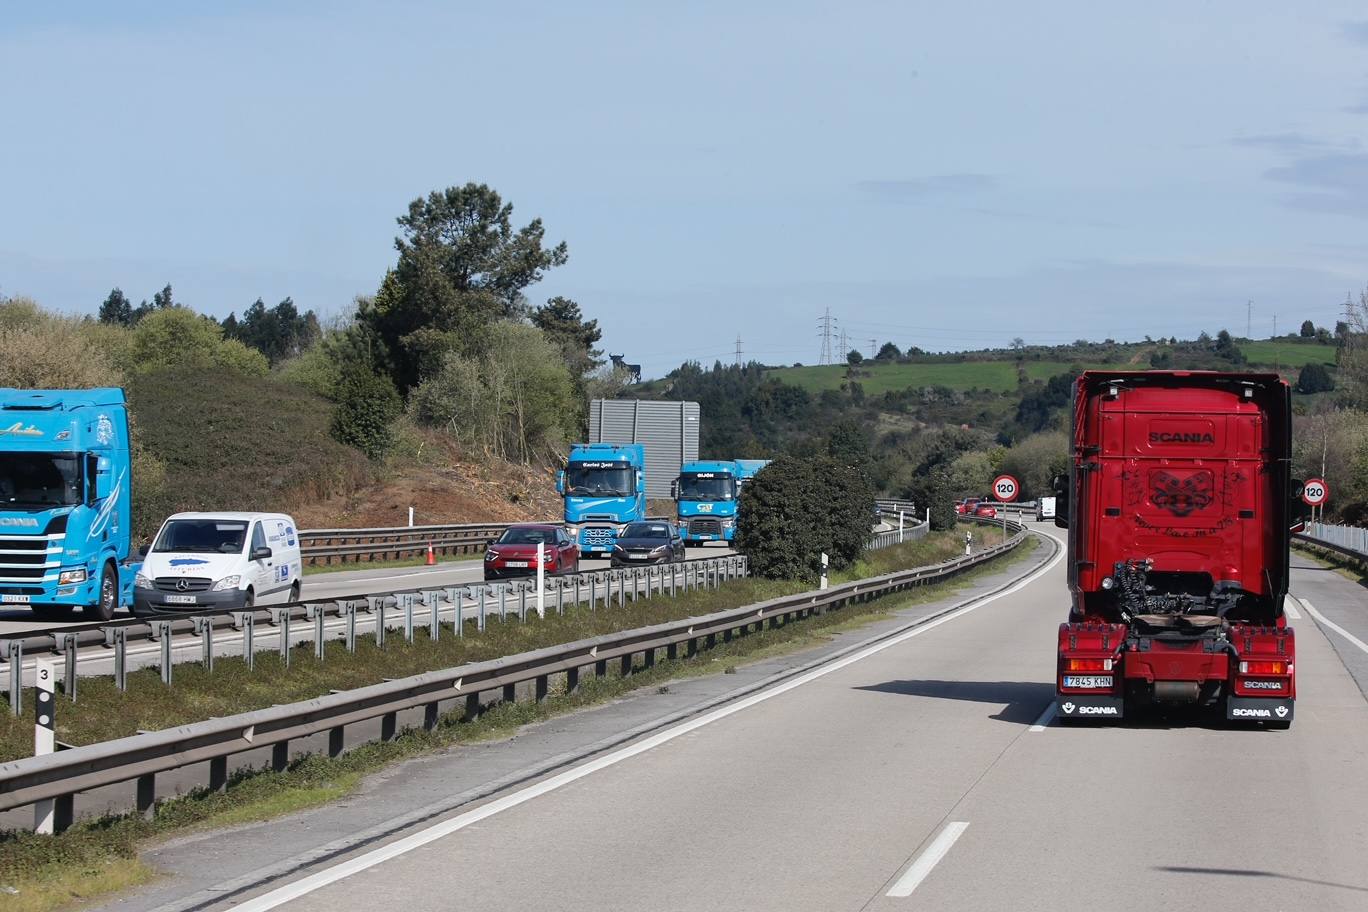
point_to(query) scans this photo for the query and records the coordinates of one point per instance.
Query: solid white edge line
(1290, 609)
(1326, 622)
(1046, 717)
(928, 859)
(342, 870)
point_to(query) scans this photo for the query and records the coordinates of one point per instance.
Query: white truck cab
(217, 561)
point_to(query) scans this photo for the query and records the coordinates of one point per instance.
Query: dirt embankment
(443, 484)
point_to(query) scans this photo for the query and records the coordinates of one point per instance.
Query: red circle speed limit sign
(1006, 488)
(1315, 492)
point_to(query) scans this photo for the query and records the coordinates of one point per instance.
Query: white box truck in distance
(1045, 508)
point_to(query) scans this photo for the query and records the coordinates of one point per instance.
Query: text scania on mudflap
(1180, 509)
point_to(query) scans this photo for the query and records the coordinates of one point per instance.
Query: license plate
(15, 599)
(180, 599)
(517, 563)
(639, 555)
(1094, 681)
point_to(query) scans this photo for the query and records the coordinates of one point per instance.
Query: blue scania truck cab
(65, 493)
(705, 497)
(604, 486)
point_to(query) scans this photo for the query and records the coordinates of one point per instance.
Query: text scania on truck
(64, 501)
(1180, 509)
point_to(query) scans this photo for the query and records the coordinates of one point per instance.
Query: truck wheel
(108, 600)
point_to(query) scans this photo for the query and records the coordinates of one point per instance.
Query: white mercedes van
(217, 561)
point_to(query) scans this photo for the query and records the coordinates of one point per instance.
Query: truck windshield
(39, 480)
(706, 486)
(585, 479)
(202, 536)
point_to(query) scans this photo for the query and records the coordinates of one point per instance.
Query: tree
(178, 336)
(854, 357)
(889, 352)
(942, 501)
(367, 405)
(560, 318)
(1314, 378)
(1308, 329)
(798, 508)
(278, 333)
(461, 267)
(116, 309)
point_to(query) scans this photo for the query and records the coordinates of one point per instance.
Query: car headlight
(71, 577)
(660, 549)
(142, 581)
(228, 582)
(491, 555)
(617, 547)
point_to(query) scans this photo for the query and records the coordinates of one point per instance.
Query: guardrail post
(335, 738)
(389, 726)
(636, 583)
(430, 715)
(626, 666)
(572, 680)
(204, 629)
(378, 606)
(315, 613)
(503, 602)
(406, 599)
(117, 638)
(510, 693)
(162, 631)
(145, 797)
(280, 619)
(622, 588)
(472, 707)
(600, 668)
(218, 774)
(66, 645)
(542, 685)
(522, 602)
(246, 622)
(593, 596)
(430, 599)
(484, 591)
(348, 609)
(649, 658)
(280, 756)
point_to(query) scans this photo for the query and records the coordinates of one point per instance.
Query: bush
(942, 496)
(1314, 378)
(797, 508)
(316, 370)
(50, 353)
(366, 405)
(179, 337)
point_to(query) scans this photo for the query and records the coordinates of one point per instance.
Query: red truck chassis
(1179, 505)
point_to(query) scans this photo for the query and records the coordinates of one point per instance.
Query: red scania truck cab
(1179, 504)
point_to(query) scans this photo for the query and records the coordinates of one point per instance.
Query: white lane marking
(1326, 622)
(342, 870)
(1046, 717)
(1290, 609)
(929, 859)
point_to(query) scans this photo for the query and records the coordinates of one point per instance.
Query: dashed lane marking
(928, 859)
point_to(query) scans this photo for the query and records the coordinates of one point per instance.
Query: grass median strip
(99, 856)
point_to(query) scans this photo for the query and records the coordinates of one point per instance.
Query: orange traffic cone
(431, 558)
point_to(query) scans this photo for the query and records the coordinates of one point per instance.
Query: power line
(872, 343)
(738, 349)
(824, 324)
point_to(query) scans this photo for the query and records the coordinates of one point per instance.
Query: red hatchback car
(515, 552)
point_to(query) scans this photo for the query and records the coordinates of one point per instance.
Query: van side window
(258, 537)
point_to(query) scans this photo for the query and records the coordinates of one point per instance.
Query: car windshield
(39, 480)
(201, 536)
(646, 530)
(527, 537)
(605, 480)
(706, 486)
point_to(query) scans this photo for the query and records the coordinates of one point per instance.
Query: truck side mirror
(1060, 485)
(674, 489)
(641, 482)
(560, 482)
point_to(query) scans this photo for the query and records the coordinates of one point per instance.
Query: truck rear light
(1265, 667)
(1087, 664)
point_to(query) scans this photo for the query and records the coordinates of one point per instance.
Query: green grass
(1285, 354)
(98, 857)
(998, 376)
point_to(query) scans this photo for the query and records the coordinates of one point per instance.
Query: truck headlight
(142, 581)
(228, 582)
(71, 577)
(572, 531)
(728, 523)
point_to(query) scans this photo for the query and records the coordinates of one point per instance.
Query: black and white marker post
(824, 570)
(541, 579)
(44, 739)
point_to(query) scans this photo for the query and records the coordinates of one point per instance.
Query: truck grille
(705, 526)
(600, 539)
(193, 583)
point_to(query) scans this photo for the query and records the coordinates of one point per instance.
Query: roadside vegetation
(99, 857)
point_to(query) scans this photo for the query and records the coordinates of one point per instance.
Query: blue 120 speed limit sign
(1006, 488)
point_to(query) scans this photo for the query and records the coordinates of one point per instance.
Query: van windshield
(201, 536)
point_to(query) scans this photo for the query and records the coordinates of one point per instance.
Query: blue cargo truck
(705, 497)
(65, 491)
(749, 468)
(604, 486)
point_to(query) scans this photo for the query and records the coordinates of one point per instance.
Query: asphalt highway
(924, 772)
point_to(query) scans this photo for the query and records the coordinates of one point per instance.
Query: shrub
(1314, 378)
(797, 508)
(51, 353)
(179, 337)
(942, 502)
(366, 405)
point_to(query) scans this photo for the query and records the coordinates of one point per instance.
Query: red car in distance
(515, 552)
(972, 507)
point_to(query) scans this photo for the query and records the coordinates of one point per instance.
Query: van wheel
(294, 591)
(103, 609)
(249, 599)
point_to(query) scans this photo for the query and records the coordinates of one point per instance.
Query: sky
(948, 176)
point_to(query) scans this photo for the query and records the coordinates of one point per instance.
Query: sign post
(1006, 489)
(541, 579)
(44, 739)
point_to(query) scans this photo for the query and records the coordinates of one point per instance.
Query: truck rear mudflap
(1259, 709)
(1088, 679)
(1089, 706)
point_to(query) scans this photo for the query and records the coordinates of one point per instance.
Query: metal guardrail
(1349, 540)
(322, 619)
(326, 546)
(61, 775)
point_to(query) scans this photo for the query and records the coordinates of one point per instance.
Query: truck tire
(108, 597)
